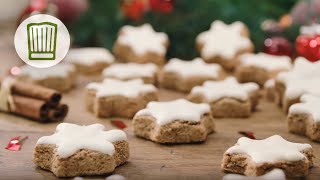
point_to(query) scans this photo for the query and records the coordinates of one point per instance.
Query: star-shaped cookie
(75, 150)
(256, 157)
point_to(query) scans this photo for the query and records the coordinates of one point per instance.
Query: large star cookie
(75, 150)
(178, 121)
(222, 43)
(257, 157)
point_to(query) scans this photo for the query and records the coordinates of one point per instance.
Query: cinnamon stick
(58, 113)
(32, 108)
(52, 97)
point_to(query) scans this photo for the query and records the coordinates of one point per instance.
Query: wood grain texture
(148, 160)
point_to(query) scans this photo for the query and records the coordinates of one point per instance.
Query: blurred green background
(100, 24)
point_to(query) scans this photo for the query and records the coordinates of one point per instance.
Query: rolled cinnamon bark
(32, 108)
(52, 97)
(58, 113)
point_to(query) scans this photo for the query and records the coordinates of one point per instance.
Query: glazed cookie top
(60, 70)
(196, 67)
(309, 105)
(223, 40)
(70, 138)
(266, 61)
(181, 109)
(89, 56)
(271, 149)
(303, 78)
(130, 71)
(275, 174)
(113, 87)
(143, 39)
(230, 87)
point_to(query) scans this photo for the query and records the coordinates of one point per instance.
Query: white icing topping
(223, 40)
(89, 56)
(181, 109)
(130, 71)
(270, 83)
(143, 39)
(303, 78)
(272, 149)
(113, 87)
(266, 61)
(196, 67)
(60, 70)
(70, 138)
(310, 105)
(230, 87)
(275, 174)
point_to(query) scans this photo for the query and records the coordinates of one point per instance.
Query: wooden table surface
(147, 160)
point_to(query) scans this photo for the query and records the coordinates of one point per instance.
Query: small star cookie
(141, 45)
(222, 43)
(227, 98)
(119, 98)
(90, 60)
(178, 121)
(75, 150)
(260, 67)
(257, 157)
(304, 117)
(61, 77)
(183, 75)
(146, 72)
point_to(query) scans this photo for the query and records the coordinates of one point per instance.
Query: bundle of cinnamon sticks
(36, 102)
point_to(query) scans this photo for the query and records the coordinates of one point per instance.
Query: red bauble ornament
(278, 45)
(133, 9)
(163, 6)
(308, 47)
